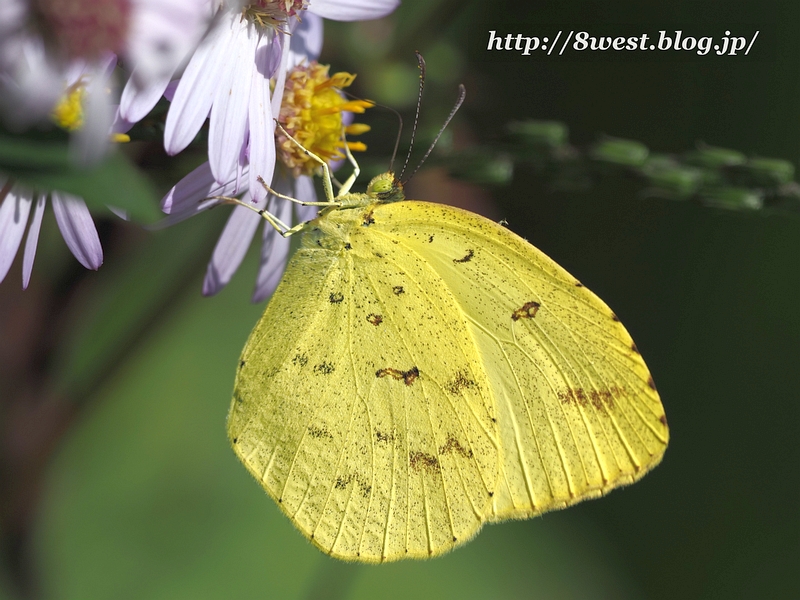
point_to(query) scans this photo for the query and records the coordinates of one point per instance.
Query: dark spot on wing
(614, 317)
(347, 246)
(578, 284)
(467, 257)
(398, 289)
(634, 348)
(460, 382)
(651, 383)
(235, 440)
(452, 445)
(336, 297)
(300, 359)
(455, 539)
(241, 364)
(368, 219)
(597, 398)
(526, 311)
(408, 377)
(319, 432)
(423, 460)
(324, 368)
(342, 483)
(319, 243)
(384, 437)
(663, 419)
(378, 255)
(491, 494)
(430, 239)
(375, 319)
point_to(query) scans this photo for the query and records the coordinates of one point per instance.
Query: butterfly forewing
(577, 408)
(362, 407)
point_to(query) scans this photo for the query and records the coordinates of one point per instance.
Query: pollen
(312, 114)
(68, 113)
(273, 14)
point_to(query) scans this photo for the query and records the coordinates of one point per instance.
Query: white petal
(169, 93)
(90, 143)
(161, 36)
(352, 10)
(185, 199)
(12, 16)
(137, 101)
(77, 228)
(304, 190)
(231, 248)
(31, 83)
(274, 250)
(195, 92)
(228, 120)
(262, 126)
(32, 240)
(13, 217)
(280, 76)
(306, 39)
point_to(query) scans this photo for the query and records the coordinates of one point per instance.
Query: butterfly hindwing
(361, 408)
(577, 408)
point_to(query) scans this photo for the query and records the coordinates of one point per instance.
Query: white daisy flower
(44, 41)
(73, 218)
(228, 79)
(315, 113)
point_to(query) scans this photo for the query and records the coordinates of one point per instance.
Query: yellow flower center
(273, 13)
(68, 113)
(312, 114)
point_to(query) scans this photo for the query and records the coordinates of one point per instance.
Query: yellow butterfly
(422, 370)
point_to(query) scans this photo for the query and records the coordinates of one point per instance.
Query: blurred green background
(119, 479)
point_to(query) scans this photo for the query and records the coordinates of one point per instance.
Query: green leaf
(620, 152)
(734, 198)
(46, 165)
(712, 157)
(550, 134)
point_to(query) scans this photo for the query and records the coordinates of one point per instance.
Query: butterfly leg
(345, 189)
(327, 186)
(279, 225)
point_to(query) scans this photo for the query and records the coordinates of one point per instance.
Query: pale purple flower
(228, 81)
(189, 197)
(153, 37)
(163, 36)
(91, 136)
(72, 216)
(29, 77)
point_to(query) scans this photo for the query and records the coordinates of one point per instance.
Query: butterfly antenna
(416, 116)
(462, 93)
(399, 120)
(397, 139)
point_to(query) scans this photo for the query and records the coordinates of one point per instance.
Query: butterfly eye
(385, 187)
(381, 184)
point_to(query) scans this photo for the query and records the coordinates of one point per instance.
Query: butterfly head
(385, 188)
